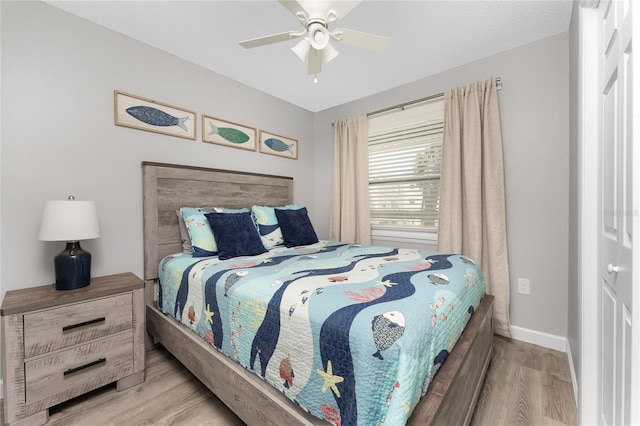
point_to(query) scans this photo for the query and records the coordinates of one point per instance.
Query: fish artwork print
(278, 145)
(229, 134)
(155, 117)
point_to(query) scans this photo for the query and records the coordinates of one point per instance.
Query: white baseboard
(550, 341)
(572, 368)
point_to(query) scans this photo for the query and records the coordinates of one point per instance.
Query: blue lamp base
(73, 267)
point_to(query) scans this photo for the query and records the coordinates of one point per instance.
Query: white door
(617, 214)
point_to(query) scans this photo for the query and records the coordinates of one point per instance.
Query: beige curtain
(350, 215)
(472, 218)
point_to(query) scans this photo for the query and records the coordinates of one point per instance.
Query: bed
(247, 388)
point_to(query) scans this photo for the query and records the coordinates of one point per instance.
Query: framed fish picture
(282, 146)
(227, 133)
(153, 116)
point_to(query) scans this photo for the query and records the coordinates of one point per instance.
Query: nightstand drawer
(80, 369)
(57, 328)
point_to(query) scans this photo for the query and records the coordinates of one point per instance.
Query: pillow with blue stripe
(267, 224)
(199, 229)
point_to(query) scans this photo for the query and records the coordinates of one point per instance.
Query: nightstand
(57, 345)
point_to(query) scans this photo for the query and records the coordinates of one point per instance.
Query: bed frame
(452, 395)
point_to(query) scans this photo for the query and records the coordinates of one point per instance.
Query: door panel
(616, 214)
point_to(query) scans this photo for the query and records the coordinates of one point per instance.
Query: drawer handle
(82, 367)
(82, 324)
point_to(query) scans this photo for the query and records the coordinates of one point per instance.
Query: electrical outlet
(523, 286)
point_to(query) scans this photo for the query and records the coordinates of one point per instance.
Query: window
(405, 152)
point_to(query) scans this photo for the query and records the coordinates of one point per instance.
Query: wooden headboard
(168, 187)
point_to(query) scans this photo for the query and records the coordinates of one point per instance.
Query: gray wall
(534, 108)
(59, 138)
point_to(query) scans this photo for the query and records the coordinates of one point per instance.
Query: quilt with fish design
(353, 334)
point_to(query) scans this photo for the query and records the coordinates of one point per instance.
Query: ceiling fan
(315, 17)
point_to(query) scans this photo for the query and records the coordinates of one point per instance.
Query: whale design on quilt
(266, 336)
(265, 345)
(334, 333)
(211, 296)
(295, 326)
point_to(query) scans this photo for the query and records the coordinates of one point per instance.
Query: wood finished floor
(525, 385)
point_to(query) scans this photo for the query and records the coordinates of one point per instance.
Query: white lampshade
(69, 220)
(301, 49)
(329, 53)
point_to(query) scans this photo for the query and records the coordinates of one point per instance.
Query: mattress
(353, 334)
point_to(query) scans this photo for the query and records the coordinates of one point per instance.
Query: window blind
(404, 174)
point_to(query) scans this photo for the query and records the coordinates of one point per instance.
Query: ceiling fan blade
(274, 38)
(315, 62)
(361, 39)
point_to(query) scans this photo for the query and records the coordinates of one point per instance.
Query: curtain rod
(428, 98)
(402, 105)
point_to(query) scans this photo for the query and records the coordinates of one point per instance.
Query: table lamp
(71, 221)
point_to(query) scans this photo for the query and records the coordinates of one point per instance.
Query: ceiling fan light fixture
(329, 53)
(301, 49)
(318, 36)
(315, 48)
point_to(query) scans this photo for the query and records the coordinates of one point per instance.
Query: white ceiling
(428, 37)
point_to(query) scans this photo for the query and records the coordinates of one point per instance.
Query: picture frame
(228, 133)
(141, 113)
(282, 146)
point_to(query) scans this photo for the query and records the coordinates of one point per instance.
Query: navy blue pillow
(296, 227)
(235, 234)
